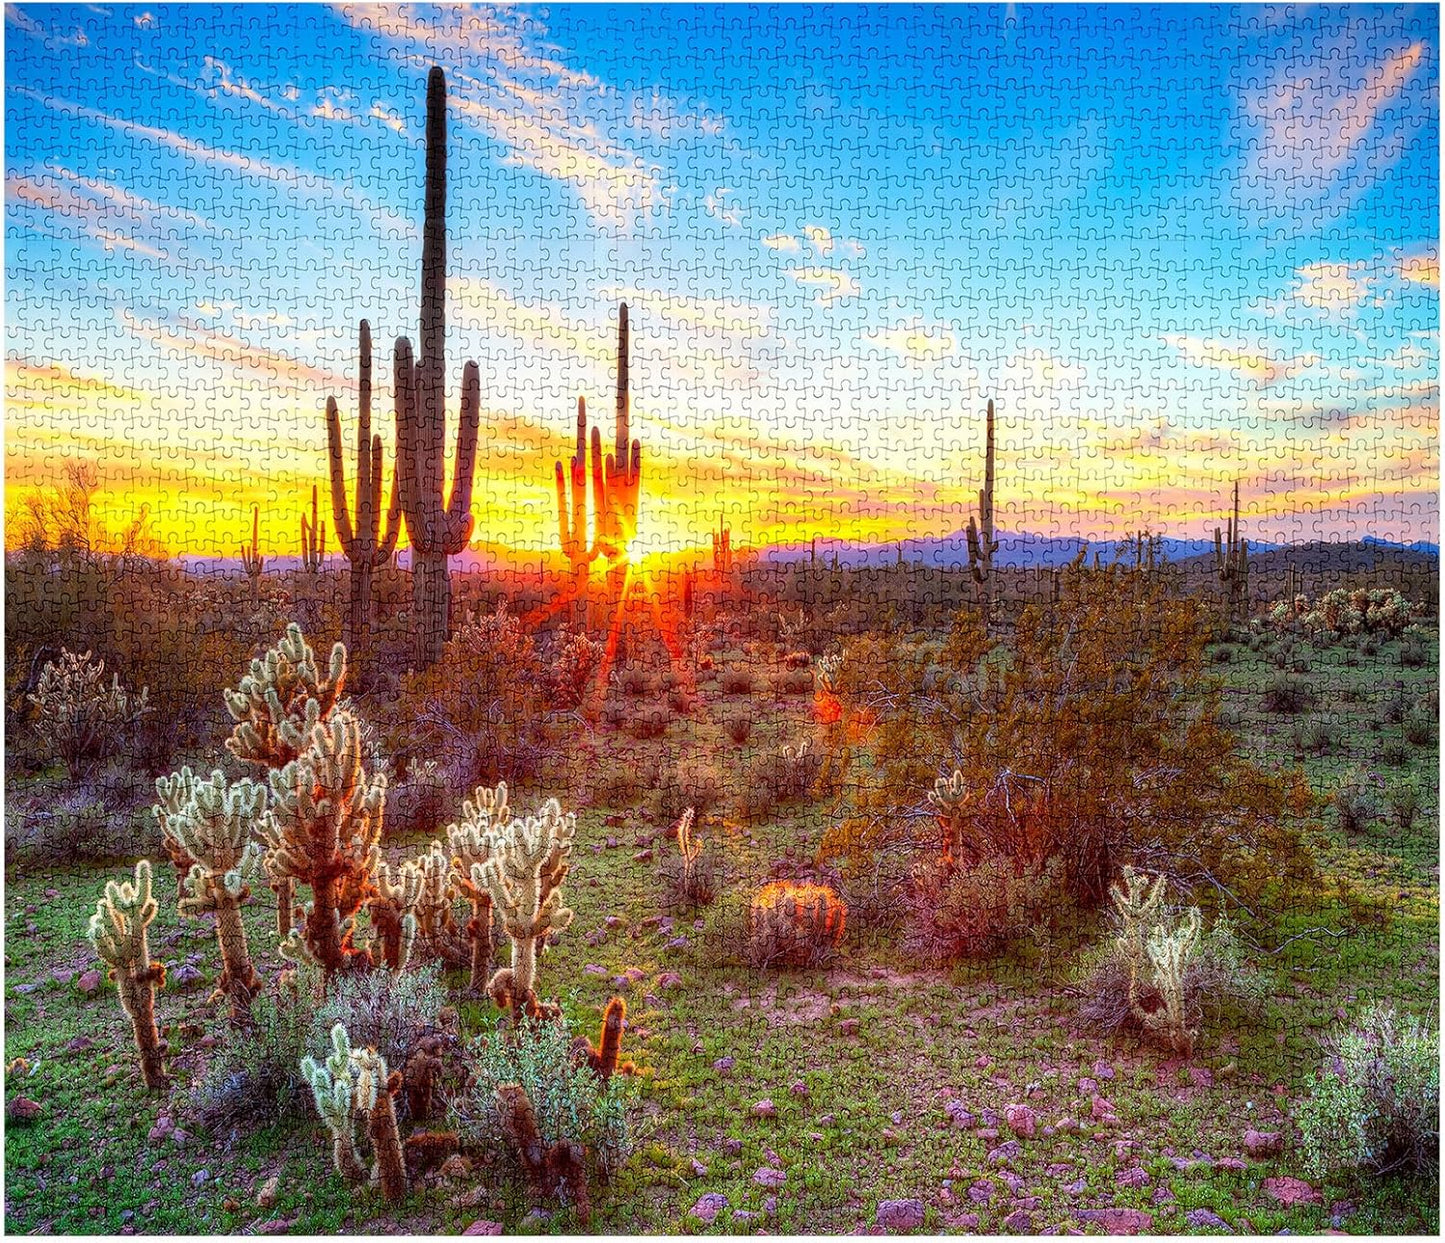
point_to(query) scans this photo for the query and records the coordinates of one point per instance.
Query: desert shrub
(648, 721)
(738, 724)
(570, 666)
(783, 776)
(1419, 728)
(255, 1076)
(1397, 706)
(1340, 613)
(1374, 1107)
(1369, 646)
(679, 701)
(798, 660)
(636, 682)
(78, 717)
(736, 682)
(1223, 654)
(791, 925)
(420, 801)
(1403, 800)
(620, 783)
(570, 1101)
(1413, 651)
(1355, 803)
(975, 910)
(78, 824)
(691, 782)
(1315, 736)
(1287, 693)
(1218, 979)
(1103, 708)
(796, 682)
(689, 874)
(1394, 752)
(615, 713)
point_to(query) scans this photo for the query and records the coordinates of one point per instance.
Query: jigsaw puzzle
(730, 620)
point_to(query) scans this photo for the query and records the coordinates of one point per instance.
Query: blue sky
(1178, 246)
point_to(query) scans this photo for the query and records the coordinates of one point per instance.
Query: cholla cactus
(210, 824)
(393, 913)
(690, 848)
(118, 932)
(471, 842)
(323, 830)
(281, 700)
(1145, 941)
(524, 875)
(351, 1082)
(794, 925)
(333, 1086)
(950, 800)
(829, 667)
(77, 716)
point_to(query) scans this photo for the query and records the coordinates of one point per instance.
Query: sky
(1177, 246)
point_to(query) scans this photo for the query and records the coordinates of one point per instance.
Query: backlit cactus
(950, 800)
(323, 830)
(364, 539)
(392, 907)
(210, 823)
(471, 842)
(524, 874)
(794, 925)
(623, 472)
(251, 558)
(351, 1083)
(333, 1087)
(437, 527)
(313, 539)
(118, 932)
(77, 716)
(281, 700)
(1145, 942)
(1231, 563)
(982, 543)
(604, 1058)
(689, 846)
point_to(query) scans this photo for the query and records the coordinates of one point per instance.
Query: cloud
(186, 339)
(784, 242)
(819, 238)
(717, 208)
(1420, 268)
(831, 284)
(1334, 288)
(916, 341)
(1246, 362)
(389, 117)
(144, 20)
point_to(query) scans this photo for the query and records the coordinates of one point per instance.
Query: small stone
(1102, 1110)
(207, 1041)
(743, 1217)
(849, 1027)
(733, 1147)
(1103, 1070)
(63, 975)
(179, 1137)
(186, 976)
(1259, 1144)
(1201, 1077)
(1012, 1181)
(770, 1204)
(1162, 1195)
(1089, 1087)
(677, 943)
(1136, 1177)
(668, 981)
(613, 921)
(981, 1192)
(1066, 1125)
(961, 1119)
(899, 1214)
(724, 1065)
(1205, 1219)
(1231, 1163)
(1118, 1220)
(643, 856)
(987, 1133)
(1021, 1120)
(198, 1179)
(967, 1222)
(766, 1176)
(79, 1044)
(1077, 1187)
(826, 1120)
(1292, 1191)
(270, 1189)
(764, 1109)
(699, 1170)
(594, 968)
(799, 1088)
(231, 1204)
(1004, 1153)
(484, 1227)
(23, 1109)
(277, 1225)
(981, 1061)
(708, 1207)
(1019, 1222)
(596, 937)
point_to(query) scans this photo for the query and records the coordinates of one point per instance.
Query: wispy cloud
(1421, 267)
(1333, 288)
(785, 242)
(917, 340)
(186, 339)
(92, 207)
(828, 284)
(1246, 362)
(716, 205)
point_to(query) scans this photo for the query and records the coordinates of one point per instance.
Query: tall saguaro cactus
(722, 548)
(624, 463)
(251, 557)
(1231, 563)
(438, 527)
(363, 538)
(572, 509)
(313, 539)
(981, 542)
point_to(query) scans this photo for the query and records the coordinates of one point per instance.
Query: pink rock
(1102, 1110)
(1260, 1144)
(981, 1061)
(724, 1065)
(1118, 1220)
(899, 1214)
(1021, 1120)
(708, 1207)
(89, 982)
(1201, 1076)
(849, 1027)
(484, 1227)
(799, 1088)
(1088, 1086)
(766, 1176)
(1136, 1177)
(669, 980)
(594, 968)
(765, 1109)
(1292, 1191)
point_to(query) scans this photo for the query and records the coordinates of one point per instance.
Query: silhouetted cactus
(437, 527)
(981, 541)
(722, 549)
(364, 539)
(623, 473)
(313, 540)
(251, 557)
(1231, 563)
(210, 823)
(118, 932)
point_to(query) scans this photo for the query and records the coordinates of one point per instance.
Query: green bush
(1419, 728)
(972, 912)
(1287, 693)
(1314, 736)
(1403, 798)
(1394, 752)
(1354, 802)
(1374, 1107)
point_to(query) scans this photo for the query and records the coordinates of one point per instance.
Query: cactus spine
(365, 541)
(690, 848)
(281, 699)
(209, 823)
(251, 557)
(524, 874)
(437, 528)
(118, 932)
(604, 1056)
(313, 540)
(1231, 563)
(982, 543)
(333, 1087)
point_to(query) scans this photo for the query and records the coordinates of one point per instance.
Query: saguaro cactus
(722, 548)
(524, 875)
(623, 474)
(572, 511)
(118, 932)
(323, 831)
(313, 539)
(437, 528)
(981, 542)
(210, 824)
(251, 557)
(1231, 563)
(363, 538)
